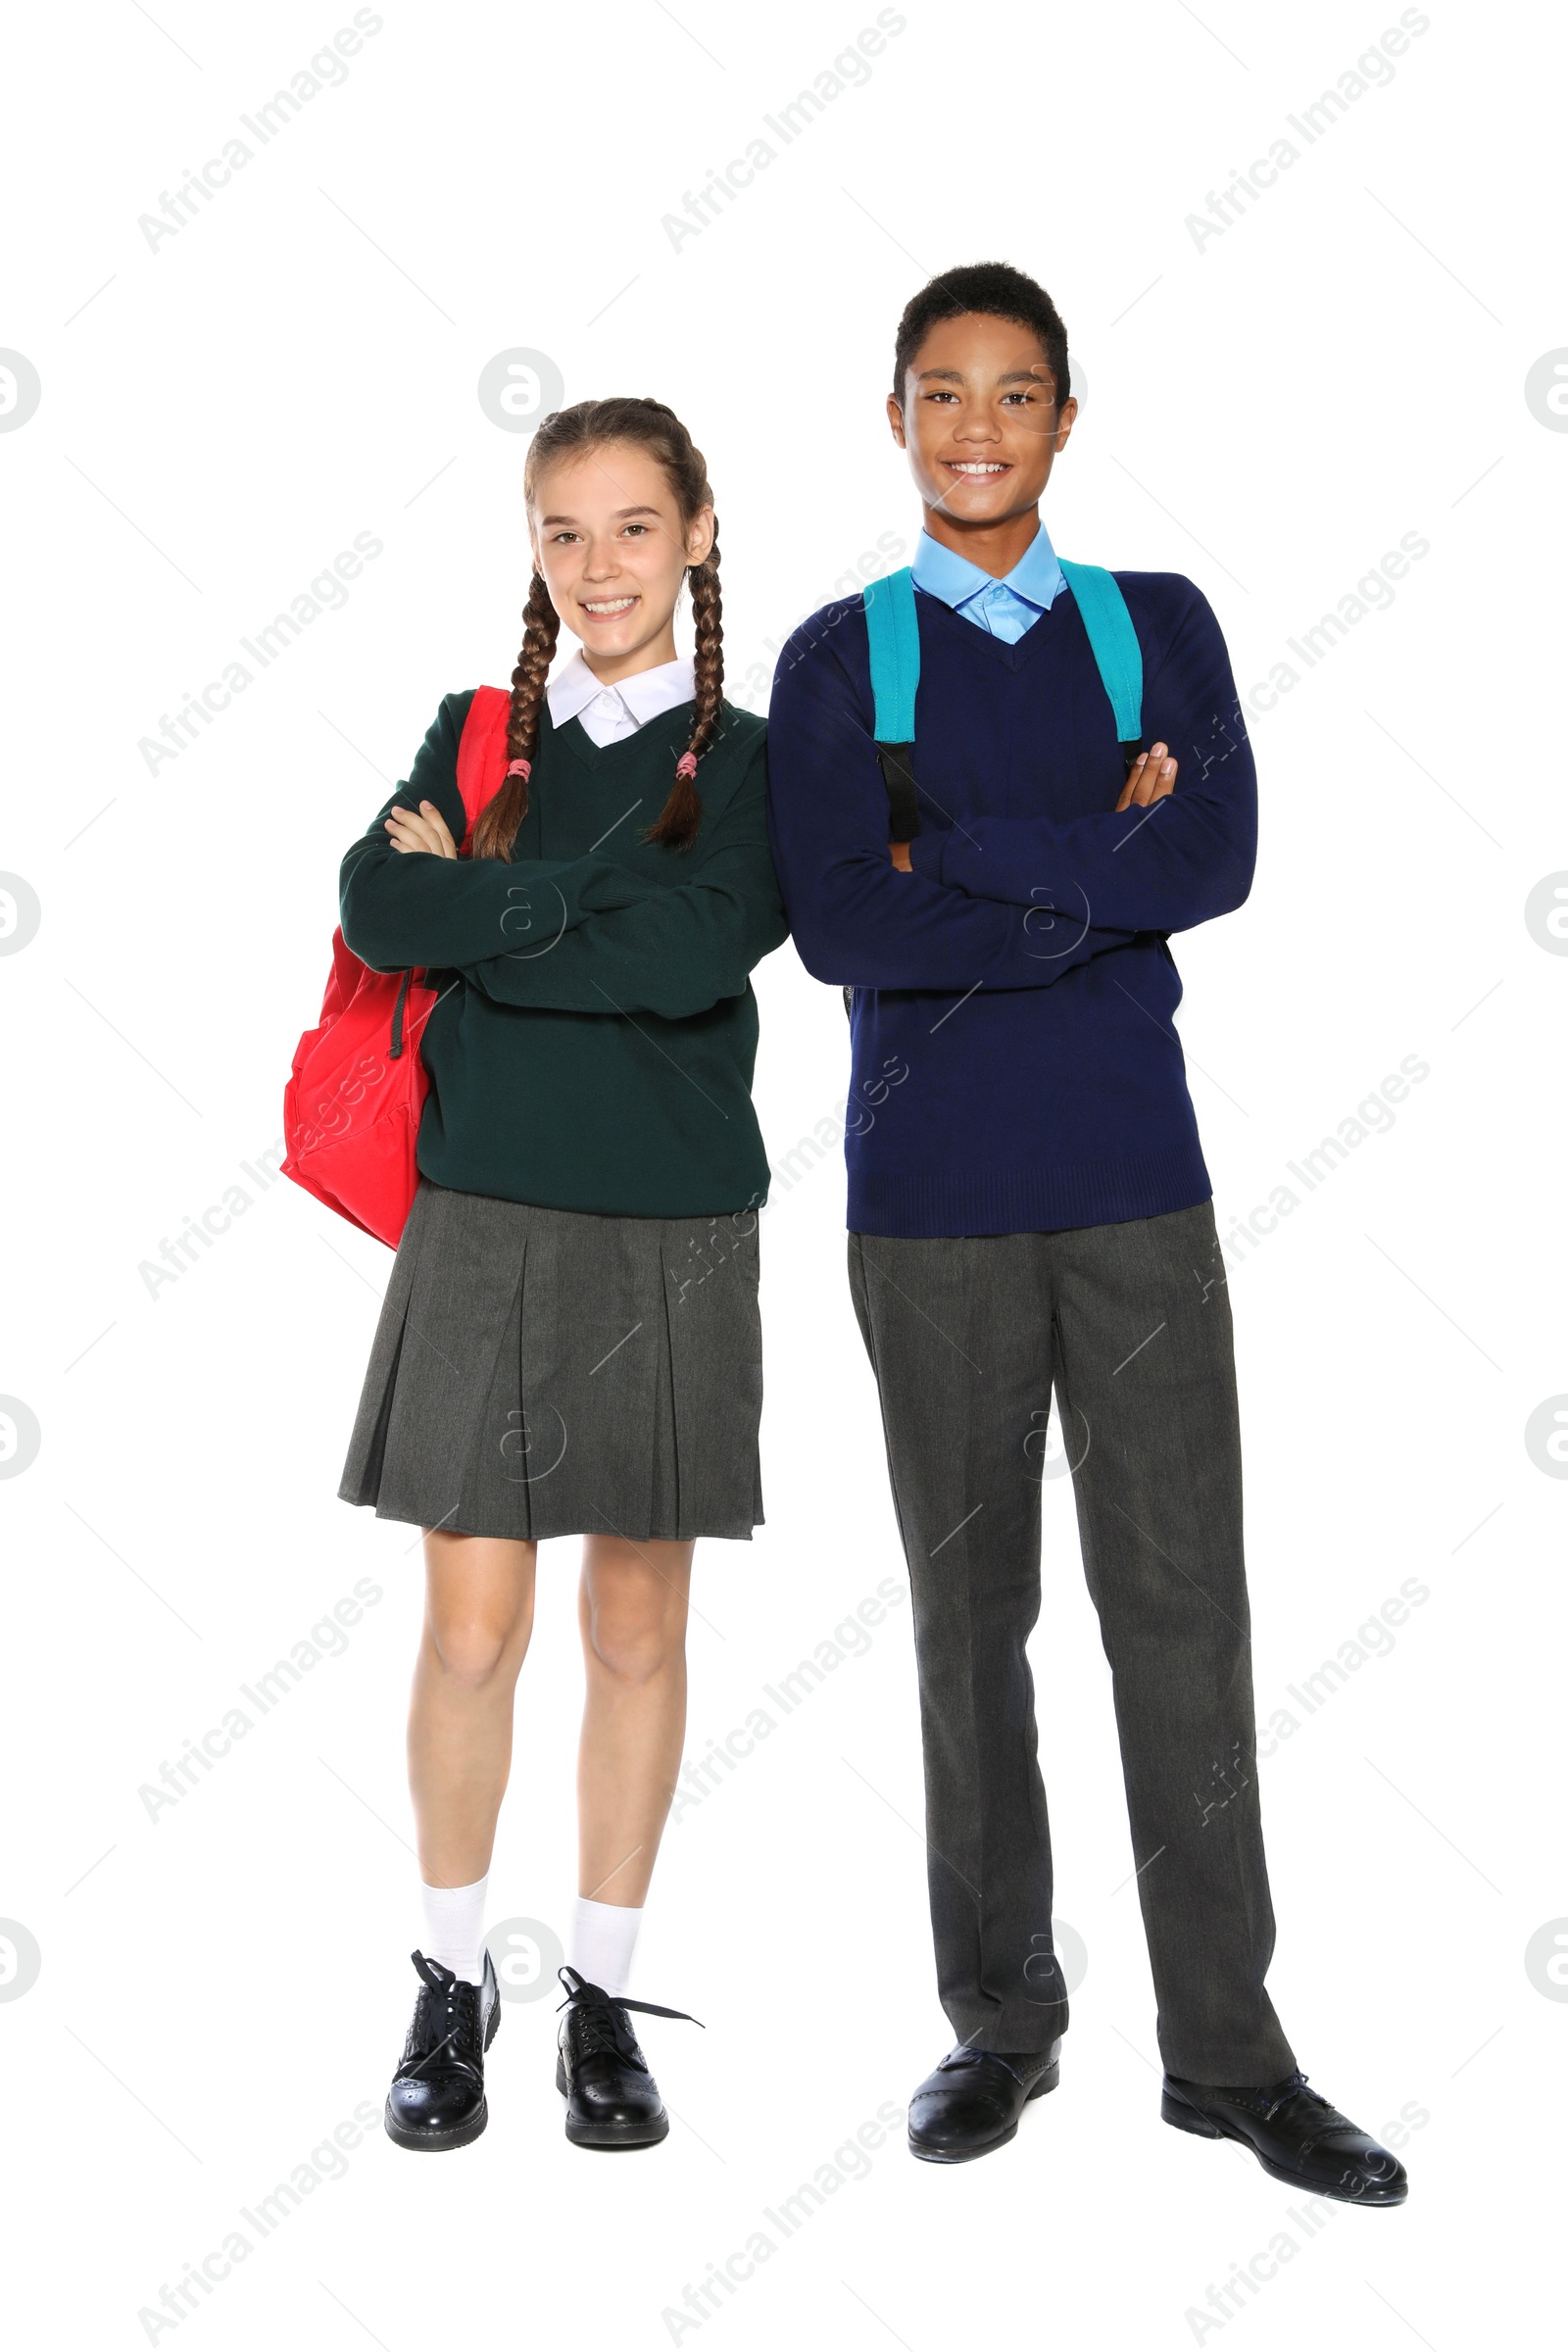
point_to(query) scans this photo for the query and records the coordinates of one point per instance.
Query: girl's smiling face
(608, 539)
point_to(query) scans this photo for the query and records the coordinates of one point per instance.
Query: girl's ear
(701, 535)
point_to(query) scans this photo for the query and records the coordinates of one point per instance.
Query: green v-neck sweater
(594, 1035)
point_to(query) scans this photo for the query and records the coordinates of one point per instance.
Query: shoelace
(966, 2055)
(600, 2025)
(1329, 2119)
(447, 2006)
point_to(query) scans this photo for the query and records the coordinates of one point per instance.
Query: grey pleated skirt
(544, 1372)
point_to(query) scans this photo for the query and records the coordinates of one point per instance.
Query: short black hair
(999, 290)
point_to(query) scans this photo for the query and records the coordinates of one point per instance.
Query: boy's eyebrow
(955, 375)
(620, 515)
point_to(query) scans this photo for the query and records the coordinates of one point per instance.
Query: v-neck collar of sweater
(673, 726)
(980, 642)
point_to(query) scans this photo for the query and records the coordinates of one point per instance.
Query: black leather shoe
(437, 2094)
(1295, 2135)
(611, 2099)
(972, 2102)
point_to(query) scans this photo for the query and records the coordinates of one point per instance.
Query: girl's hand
(425, 829)
(1154, 776)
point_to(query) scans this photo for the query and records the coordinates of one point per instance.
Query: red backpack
(355, 1097)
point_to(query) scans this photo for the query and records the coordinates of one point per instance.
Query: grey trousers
(1132, 1324)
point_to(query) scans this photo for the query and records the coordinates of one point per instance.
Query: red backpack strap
(482, 750)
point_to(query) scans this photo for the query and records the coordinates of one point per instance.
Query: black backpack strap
(897, 762)
(395, 1049)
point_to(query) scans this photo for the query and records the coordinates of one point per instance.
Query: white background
(1268, 412)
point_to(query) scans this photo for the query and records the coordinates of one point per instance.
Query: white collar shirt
(607, 714)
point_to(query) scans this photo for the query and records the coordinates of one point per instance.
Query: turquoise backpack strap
(1114, 642)
(893, 635)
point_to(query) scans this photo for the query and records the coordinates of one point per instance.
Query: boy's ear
(895, 421)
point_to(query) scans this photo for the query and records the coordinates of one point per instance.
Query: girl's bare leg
(632, 1609)
(477, 1620)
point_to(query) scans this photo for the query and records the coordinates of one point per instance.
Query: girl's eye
(640, 529)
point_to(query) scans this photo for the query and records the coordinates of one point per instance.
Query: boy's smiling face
(981, 422)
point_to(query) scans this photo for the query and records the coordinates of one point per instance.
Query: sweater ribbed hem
(927, 1207)
(457, 1172)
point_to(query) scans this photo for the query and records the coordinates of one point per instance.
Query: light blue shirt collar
(1003, 607)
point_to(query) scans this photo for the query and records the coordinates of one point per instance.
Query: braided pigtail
(682, 813)
(499, 819)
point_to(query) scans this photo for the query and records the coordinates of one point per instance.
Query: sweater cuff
(925, 854)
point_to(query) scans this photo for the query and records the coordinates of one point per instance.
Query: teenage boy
(1028, 1206)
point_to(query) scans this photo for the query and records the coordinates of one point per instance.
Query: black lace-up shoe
(611, 2099)
(1295, 2135)
(437, 2094)
(972, 2102)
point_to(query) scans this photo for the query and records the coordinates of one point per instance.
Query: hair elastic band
(520, 768)
(686, 765)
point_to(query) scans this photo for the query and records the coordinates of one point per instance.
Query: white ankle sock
(602, 1938)
(454, 1923)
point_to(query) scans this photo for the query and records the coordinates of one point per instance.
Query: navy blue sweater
(1015, 1064)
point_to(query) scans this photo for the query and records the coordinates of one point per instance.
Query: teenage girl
(571, 1343)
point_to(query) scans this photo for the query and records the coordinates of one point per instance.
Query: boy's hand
(1153, 777)
(424, 829)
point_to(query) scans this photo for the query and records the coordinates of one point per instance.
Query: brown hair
(574, 431)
